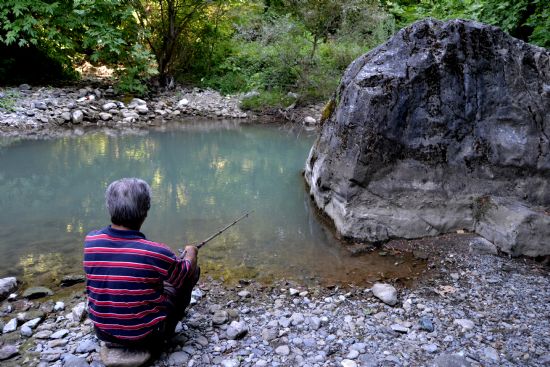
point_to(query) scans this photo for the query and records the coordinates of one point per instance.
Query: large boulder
(446, 126)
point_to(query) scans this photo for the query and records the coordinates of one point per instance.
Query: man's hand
(191, 255)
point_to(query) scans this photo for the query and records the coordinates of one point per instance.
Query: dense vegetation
(285, 50)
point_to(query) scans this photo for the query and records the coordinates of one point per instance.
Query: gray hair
(128, 201)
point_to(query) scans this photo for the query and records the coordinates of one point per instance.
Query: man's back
(125, 274)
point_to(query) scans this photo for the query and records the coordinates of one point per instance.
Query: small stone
(56, 343)
(122, 357)
(77, 117)
(268, 334)
(308, 120)
(10, 326)
(24, 87)
(282, 350)
(430, 348)
(86, 346)
(399, 328)
(178, 359)
(59, 306)
(137, 102)
(59, 334)
(352, 354)
(426, 324)
(481, 246)
(7, 285)
(348, 363)
(74, 361)
(43, 334)
(105, 116)
(450, 360)
(109, 106)
(26, 331)
(40, 106)
(220, 317)
(33, 323)
(293, 291)
(244, 294)
(315, 322)
(7, 351)
(385, 292)
(183, 102)
(66, 116)
(142, 109)
(297, 318)
(465, 323)
(420, 254)
(236, 330)
(230, 363)
(79, 312)
(491, 354)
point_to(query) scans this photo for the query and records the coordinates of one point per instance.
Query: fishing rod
(202, 243)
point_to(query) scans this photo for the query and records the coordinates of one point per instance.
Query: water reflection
(203, 177)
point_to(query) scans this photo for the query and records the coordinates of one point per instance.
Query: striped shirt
(124, 281)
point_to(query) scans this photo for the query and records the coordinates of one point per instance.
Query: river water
(203, 176)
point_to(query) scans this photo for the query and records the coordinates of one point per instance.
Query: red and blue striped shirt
(124, 281)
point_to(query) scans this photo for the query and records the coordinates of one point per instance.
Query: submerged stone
(37, 292)
(445, 127)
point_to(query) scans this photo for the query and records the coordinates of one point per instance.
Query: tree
(165, 23)
(101, 31)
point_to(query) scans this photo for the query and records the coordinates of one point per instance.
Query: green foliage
(528, 20)
(140, 67)
(8, 99)
(276, 52)
(69, 31)
(267, 99)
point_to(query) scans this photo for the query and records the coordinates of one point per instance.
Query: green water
(203, 176)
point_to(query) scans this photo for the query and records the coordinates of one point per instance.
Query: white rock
(348, 363)
(32, 323)
(10, 326)
(142, 109)
(283, 350)
(308, 120)
(183, 102)
(385, 292)
(231, 363)
(77, 116)
(59, 334)
(109, 106)
(244, 294)
(79, 312)
(465, 323)
(236, 330)
(59, 306)
(105, 116)
(293, 291)
(7, 285)
(26, 331)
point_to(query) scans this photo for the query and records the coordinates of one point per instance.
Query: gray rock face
(444, 127)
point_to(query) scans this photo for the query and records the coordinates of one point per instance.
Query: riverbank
(49, 111)
(473, 308)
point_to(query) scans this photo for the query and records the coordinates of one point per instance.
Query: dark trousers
(177, 301)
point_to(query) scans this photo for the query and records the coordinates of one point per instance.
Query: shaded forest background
(285, 51)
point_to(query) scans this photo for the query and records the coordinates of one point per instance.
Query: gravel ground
(473, 308)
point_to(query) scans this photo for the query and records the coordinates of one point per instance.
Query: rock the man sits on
(137, 289)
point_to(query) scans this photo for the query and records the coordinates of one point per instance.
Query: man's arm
(183, 267)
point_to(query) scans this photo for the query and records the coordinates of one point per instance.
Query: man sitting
(137, 289)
